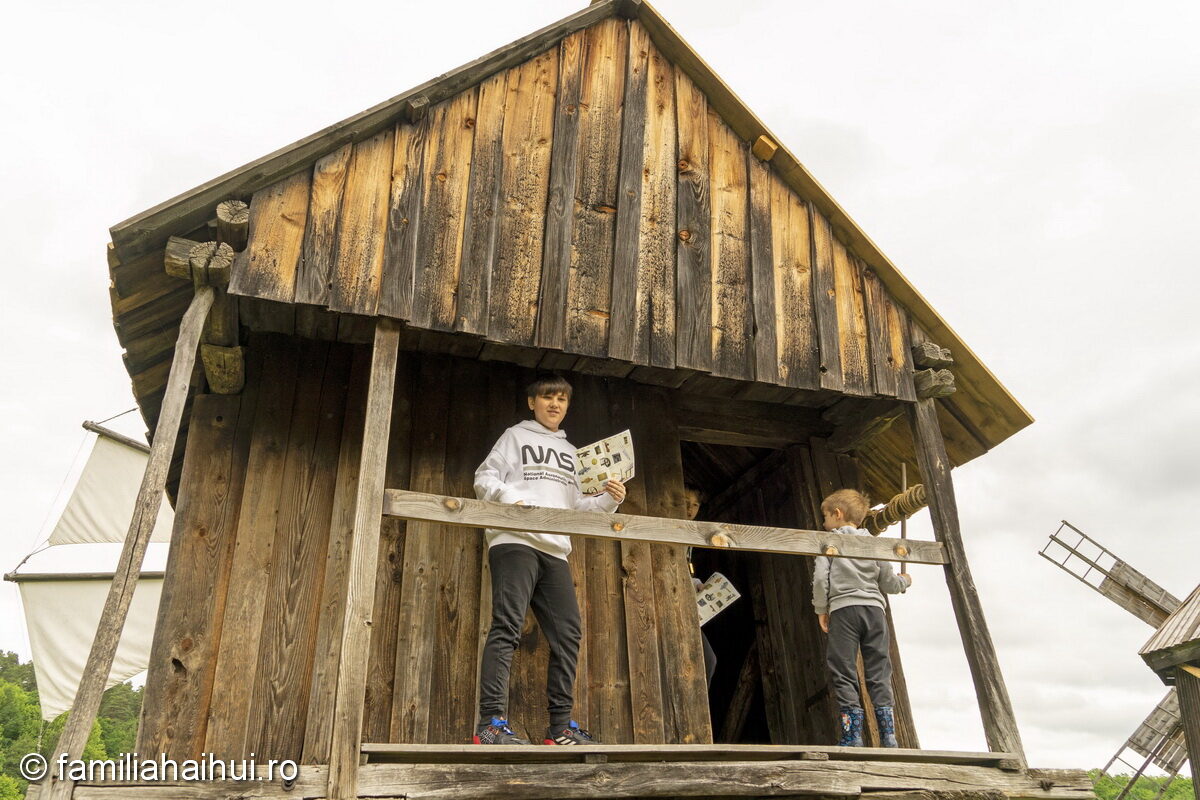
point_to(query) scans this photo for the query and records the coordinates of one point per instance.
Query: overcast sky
(1032, 167)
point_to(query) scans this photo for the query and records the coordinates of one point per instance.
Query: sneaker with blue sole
(569, 734)
(497, 731)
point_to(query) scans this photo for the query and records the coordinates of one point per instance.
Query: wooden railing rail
(471, 513)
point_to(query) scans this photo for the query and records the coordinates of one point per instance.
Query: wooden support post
(233, 224)
(346, 736)
(999, 723)
(145, 511)
(1187, 685)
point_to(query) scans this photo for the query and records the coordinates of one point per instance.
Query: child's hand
(906, 575)
(615, 488)
(823, 621)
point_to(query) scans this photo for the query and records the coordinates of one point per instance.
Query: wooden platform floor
(536, 772)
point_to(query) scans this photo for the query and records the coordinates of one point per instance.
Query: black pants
(851, 628)
(521, 577)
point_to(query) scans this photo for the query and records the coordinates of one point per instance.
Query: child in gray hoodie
(848, 598)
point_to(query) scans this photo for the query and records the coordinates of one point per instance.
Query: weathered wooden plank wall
(246, 649)
(587, 201)
(790, 645)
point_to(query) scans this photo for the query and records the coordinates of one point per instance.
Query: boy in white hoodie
(532, 463)
(848, 598)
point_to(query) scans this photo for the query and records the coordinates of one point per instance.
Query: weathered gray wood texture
(618, 277)
(894, 780)
(246, 652)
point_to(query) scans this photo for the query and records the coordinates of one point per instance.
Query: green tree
(1107, 787)
(11, 788)
(12, 670)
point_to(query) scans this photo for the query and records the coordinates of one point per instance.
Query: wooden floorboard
(540, 754)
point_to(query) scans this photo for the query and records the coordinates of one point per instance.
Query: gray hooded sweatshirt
(841, 582)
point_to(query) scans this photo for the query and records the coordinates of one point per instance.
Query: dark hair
(548, 383)
(701, 495)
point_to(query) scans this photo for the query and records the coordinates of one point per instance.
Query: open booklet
(607, 458)
(714, 596)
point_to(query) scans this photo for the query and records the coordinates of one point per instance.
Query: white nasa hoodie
(532, 463)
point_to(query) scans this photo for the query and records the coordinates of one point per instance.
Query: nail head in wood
(764, 148)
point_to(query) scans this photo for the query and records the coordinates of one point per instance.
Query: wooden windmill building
(590, 199)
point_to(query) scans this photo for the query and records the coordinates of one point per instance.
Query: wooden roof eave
(150, 229)
(1177, 640)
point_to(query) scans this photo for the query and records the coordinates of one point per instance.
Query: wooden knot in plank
(934, 383)
(452, 503)
(233, 224)
(764, 148)
(928, 355)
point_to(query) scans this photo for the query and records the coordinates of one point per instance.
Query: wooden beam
(364, 553)
(928, 355)
(764, 148)
(483, 514)
(743, 696)
(1187, 685)
(999, 723)
(934, 383)
(530, 780)
(100, 430)
(718, 420)
(857, 421)
(141, 525)
(233, 224)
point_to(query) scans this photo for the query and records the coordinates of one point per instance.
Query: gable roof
(146, 303)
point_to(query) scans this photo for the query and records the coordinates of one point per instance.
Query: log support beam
(999, 723)
(465, 512)
(857, 421)
(210, 264)
(141, 525)
(1187, 684)
(346, 735)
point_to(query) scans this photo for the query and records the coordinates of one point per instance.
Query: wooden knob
(452, 503)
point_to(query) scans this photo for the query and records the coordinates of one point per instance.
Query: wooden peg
(934, 383)
(764, 148)
(618, 526)
(830, 550)
(720, 540)
(452, 503)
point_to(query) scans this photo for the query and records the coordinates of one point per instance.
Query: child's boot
(887, 726)
(850, 724)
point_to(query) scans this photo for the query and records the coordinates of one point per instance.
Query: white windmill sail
(62, 608)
